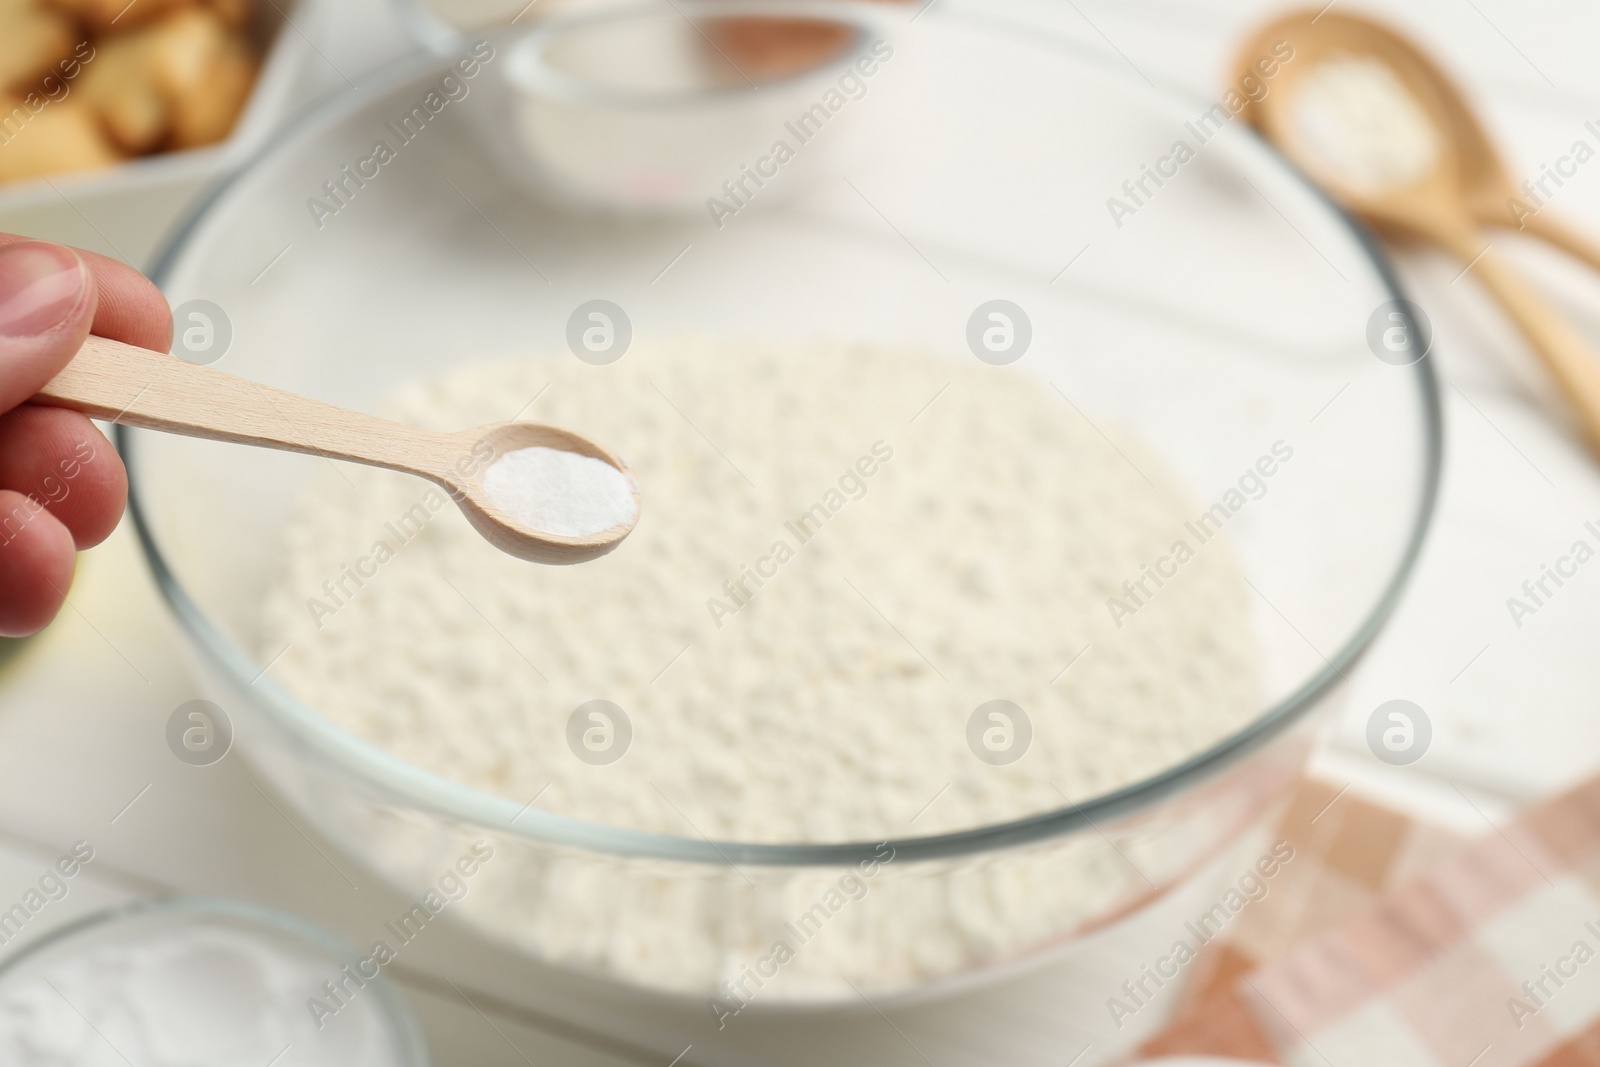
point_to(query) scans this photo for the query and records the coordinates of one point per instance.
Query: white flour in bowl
(844, 553)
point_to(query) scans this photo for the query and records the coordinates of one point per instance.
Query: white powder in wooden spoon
(1362, 124)
(560, 492)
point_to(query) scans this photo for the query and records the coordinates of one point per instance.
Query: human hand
(62, 485)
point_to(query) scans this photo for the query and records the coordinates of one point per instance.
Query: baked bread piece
(104, 16)
(120, 89)
(33, 39)
(177, 83)
(205, 113)
(60, 136)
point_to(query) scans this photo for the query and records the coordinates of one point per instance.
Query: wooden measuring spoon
(137, 387)
(1446, 202)
(1485, 180)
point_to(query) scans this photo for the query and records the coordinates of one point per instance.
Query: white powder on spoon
(560, 492)
(1361, 123)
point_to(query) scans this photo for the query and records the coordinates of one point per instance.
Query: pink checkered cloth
(1390, 944)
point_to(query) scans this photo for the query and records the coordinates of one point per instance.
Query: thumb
(47, 300)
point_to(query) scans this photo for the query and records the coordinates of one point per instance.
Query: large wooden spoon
(137, 387)
(1458, 186)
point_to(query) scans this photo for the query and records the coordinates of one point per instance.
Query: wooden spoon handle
(1564, 236)
(138, 387)
(1569, 357)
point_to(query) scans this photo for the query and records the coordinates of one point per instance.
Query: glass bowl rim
(397, 1017)
(412, 786)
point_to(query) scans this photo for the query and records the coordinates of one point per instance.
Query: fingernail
(40, 285)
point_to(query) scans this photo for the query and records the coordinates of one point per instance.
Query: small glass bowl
(380, 1017)
(648, 109)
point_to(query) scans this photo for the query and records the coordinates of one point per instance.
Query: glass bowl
(1211, 315)
(184, 1006)
(638, 109)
